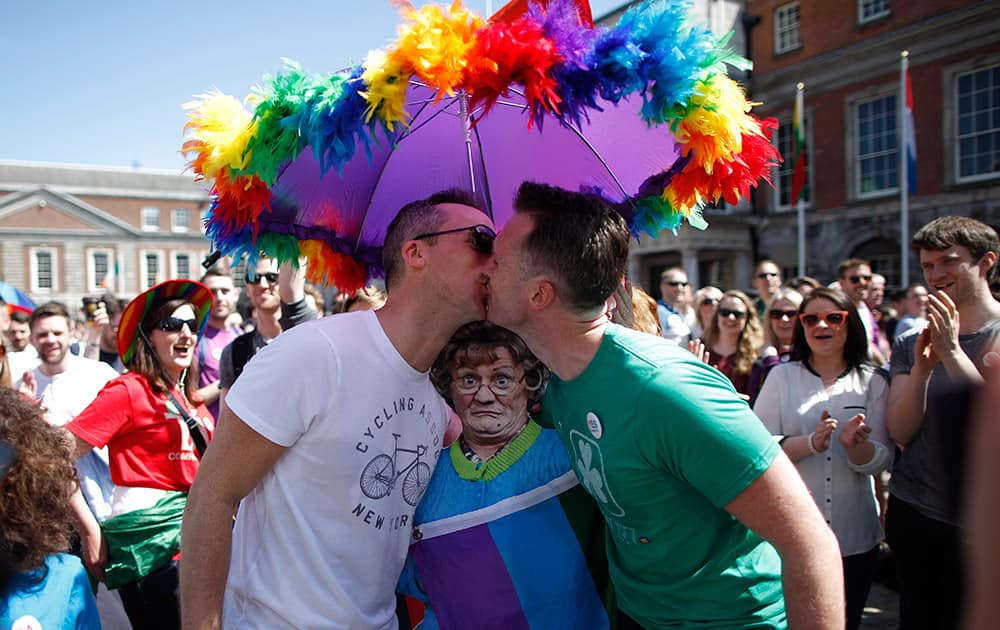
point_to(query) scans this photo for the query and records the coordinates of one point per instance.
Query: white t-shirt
(21, 362)
(63, 396)
(321, 540)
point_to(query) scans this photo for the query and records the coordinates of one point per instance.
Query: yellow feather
(221, 128)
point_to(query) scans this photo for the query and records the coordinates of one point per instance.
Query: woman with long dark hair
(156, 430)
(41, 586)
(827, 409)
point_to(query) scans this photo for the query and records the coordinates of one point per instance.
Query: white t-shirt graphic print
(321, 540)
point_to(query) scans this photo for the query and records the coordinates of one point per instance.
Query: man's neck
(268, 323)
(978, 312)
(565, 345)
(52, 369)
(218, 324)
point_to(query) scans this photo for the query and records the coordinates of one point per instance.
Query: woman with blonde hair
(781, 314)
(733, 338)
(706, 300)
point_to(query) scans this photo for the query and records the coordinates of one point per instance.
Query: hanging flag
(108, 281)
(910, 137)
(799, 179)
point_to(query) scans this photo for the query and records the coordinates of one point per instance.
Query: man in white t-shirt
(22, 356)
(65, 384)
(329, 438)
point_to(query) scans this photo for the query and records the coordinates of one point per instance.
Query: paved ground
(882, 610)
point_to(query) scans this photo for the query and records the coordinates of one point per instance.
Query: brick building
(848, 56)
(64, 228)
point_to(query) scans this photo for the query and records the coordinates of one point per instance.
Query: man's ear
(988, 261)
(413, 255)
(543, 293)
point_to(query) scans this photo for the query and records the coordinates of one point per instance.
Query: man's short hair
(850, 262)
(943, 232)
(669, 270)
(765, 261)
(415, 218)
(20, 317)
(49, 309)
(579, 239)
(216, 271)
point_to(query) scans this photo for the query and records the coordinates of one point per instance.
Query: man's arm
(234, 464)
(778, 507)
(93, 547)
(908, 393)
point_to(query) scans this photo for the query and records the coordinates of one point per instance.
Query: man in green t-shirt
(707, 519)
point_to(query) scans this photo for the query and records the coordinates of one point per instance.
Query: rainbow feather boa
(562, 66)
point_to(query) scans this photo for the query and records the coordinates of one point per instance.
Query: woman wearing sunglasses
(155, 430)
(733, 338)
(780, 317)
(827, 409)
(706, 300)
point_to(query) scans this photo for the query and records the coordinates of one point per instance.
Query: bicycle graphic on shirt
(380, 475)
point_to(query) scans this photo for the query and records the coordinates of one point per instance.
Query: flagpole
(800, 206)
(904, 179)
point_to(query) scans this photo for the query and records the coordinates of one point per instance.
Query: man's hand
(28, 388)
(942, 324)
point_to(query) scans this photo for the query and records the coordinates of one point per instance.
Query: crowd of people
(508, 435)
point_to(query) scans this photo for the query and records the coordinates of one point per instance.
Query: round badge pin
(594, 424)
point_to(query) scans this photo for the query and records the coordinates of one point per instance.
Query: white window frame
(872, 10)
(147, 213)
(175, 271)
(176, 213)
(853, 155)
(33, 269)
(790, 161)
(955, 124)
(94, 287)
(144, 268)
(790, 31)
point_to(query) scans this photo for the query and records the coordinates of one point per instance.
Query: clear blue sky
(102, 82)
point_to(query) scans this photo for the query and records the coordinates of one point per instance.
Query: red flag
(799, 179)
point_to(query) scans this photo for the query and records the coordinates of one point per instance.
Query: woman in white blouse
(827, 409)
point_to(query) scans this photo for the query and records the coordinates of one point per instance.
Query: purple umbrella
(640, 113)
(446, 147)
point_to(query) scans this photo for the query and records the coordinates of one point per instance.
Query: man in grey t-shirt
(932, 372)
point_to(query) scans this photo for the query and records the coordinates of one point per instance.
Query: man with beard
(932, 372)
(218, 334)
(328, 439)
(64, 385)
(692, 487)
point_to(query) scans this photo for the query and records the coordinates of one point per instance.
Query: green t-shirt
(663, 442)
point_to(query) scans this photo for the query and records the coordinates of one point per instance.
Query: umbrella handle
(463, 108)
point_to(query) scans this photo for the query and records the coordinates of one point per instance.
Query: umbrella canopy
(642, 112)
(16, 299)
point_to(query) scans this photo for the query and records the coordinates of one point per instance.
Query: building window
(978, 120)
(783, 180)
(182, 265)
(150, 219)
(43, 269)
(152, 269)
(179, 221)
(869, 10)
(100, 270)
(876, 153)
(786, 28)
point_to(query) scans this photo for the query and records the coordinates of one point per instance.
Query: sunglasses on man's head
(777, 313)
(832, 318)
(270, 276)
(728, 312)
(482, 236)
(866, 278)
(174, 324)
